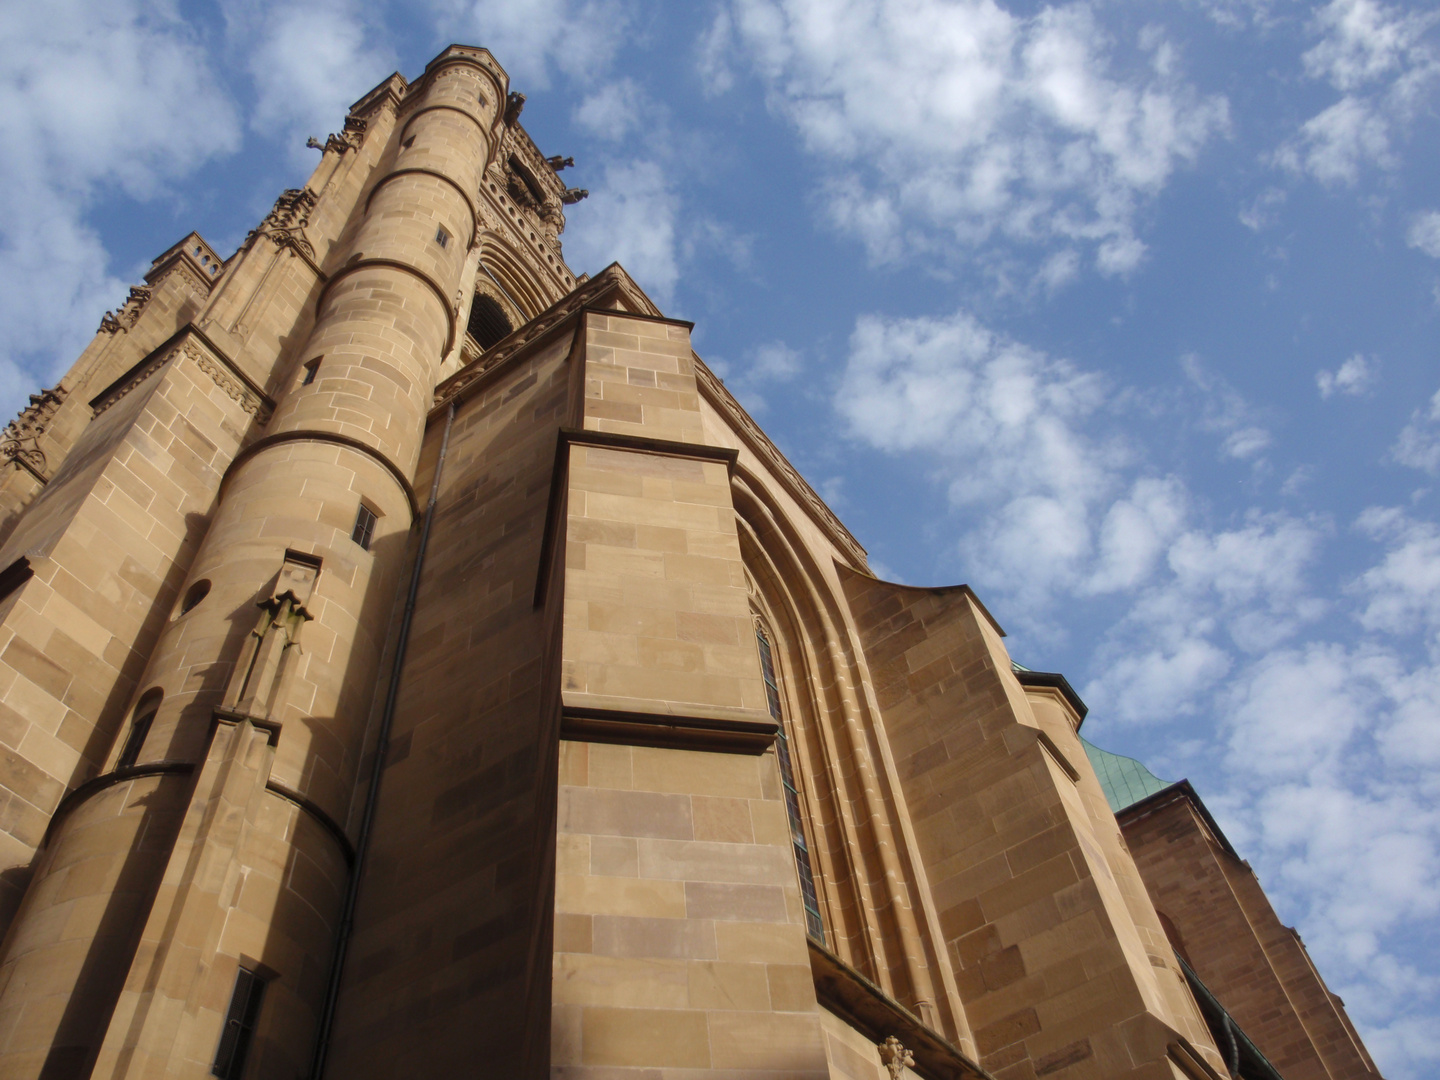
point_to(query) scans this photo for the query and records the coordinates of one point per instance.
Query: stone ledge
(724, 734)
(867, 1008)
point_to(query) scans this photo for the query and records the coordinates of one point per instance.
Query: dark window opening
(139, 729)
(312, 368)
(194, 595)
(488, 323)
(529, 185)
(15, 575)
(240, 1021)
(364, 527)
(408, 142)
(814, 924)
(441, 236)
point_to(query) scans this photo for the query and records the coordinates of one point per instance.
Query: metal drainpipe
(382, 742)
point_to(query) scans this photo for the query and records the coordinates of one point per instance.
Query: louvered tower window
(814, 925)
(488, 323)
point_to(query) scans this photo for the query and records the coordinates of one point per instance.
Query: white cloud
(1226, 412)
(1135, 533)
(612, 111)
(1265, 209)
(1343, 814)
(1364, 41)
(630, 218)
(1353, 377)
(1424, 233)
(1010, 425)
(1402, 592)
(309, 62)
(97, 100)
(1381, 62)
(952, 384)
(768, 365)
(1419, 443)
(964, 118)
(712, 55)
(1336, 144)
(533, 40)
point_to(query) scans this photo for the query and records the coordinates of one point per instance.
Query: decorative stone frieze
(285, 224)
(114, 322)
(221, 372)
(20, 441)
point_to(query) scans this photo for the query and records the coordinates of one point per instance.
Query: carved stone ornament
(285, 224)
(530, 181)
(236, 390)
(113, 322)
(220, 373)
(349, 138)
(20, 441)
(895, 1057)
(258, 680)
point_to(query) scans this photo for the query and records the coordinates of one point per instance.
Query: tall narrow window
(312, 368)
(364, 526)
(814, 924)
(239, 1025)
(139, 729)
(441, 236)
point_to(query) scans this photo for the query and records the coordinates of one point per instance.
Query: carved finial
(557, 162)
(895, 1057)
(313, 143)
(514, 103)
(574, 195)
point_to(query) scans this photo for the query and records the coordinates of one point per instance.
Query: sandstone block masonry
(379, 700)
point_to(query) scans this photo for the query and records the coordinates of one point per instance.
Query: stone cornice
(714, 391)
(867, 1008)
(721, 735)
(190, 343)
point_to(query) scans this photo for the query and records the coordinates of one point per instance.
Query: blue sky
(1123, 313)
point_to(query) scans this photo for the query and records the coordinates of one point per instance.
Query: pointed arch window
(814, 924)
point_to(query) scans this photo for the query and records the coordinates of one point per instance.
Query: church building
(415, 663)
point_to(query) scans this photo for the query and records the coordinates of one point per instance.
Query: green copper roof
(1125, 780)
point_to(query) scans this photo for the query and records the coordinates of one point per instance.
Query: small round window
(194, 595)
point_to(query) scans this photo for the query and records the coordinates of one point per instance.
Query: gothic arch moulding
(521, 285)
(870, 897)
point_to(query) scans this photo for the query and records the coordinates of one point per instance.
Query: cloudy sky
(1124, 313)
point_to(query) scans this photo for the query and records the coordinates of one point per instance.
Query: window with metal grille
(814, 924)
(364, 526)
(488, 323)
(239, 1025)
(441, 236)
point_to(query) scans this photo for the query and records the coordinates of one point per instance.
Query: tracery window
(814, 924)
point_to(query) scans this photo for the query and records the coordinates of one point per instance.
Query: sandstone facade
(414, 661)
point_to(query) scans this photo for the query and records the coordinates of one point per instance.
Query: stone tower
(414, 661)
